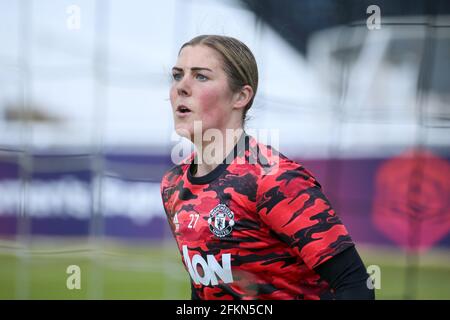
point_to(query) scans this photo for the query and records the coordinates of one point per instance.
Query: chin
(184, 131)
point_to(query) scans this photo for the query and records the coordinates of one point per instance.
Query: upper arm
(292, 204)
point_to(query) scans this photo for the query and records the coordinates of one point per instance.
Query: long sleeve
(347, 275)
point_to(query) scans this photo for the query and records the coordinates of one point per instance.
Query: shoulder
(176, 172)
(275, 169)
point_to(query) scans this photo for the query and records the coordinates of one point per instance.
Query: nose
(183, 87)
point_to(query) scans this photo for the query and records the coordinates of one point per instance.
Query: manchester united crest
(221, 220)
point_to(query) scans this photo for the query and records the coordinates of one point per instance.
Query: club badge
(221, 220)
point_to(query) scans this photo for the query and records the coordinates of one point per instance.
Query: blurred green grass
(118, 270)
(108, 271)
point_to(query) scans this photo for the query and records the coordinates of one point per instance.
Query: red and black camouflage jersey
(253, 228)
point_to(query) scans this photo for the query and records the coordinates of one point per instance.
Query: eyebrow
(192, 69)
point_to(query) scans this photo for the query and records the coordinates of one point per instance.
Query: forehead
(199, 56)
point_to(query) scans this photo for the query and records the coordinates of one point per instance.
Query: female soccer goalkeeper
(249, 222)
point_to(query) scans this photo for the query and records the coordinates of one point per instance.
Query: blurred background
(359, 91)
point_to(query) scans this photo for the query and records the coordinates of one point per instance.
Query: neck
(214, 147)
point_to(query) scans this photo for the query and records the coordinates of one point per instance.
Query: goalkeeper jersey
(253, 228)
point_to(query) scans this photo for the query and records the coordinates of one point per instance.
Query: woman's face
(200, 91)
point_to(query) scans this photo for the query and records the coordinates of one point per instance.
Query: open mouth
(183, 109)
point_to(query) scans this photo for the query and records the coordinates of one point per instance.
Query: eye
(200, 77)
(176, 76)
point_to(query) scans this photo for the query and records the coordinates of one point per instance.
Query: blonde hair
(238, 62)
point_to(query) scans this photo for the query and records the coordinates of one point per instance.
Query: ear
(243, 97)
